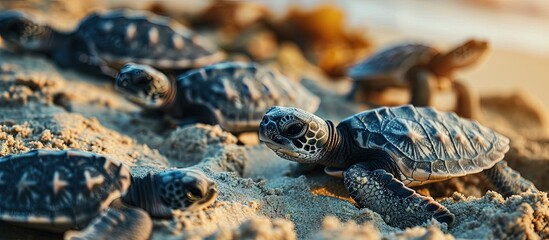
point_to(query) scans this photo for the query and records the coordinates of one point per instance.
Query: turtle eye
(141, 78)
(193, 194)
(294, 129)
(124, 82)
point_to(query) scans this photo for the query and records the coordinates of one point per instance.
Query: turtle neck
(336, 149)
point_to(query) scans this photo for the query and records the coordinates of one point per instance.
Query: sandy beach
(262, 196)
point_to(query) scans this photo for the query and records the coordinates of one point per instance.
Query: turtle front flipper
(120, 221)
(81, 55)
(468, 101)
(508, 181)
(399, 205)
(420, 88)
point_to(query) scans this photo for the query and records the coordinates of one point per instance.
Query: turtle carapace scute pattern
(49, 187)
(427, 145)
(122, 36)
(106, 40)
(382, 152)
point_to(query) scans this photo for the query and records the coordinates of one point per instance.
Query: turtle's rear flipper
(399, 205)
(118, 222)
(508, 181)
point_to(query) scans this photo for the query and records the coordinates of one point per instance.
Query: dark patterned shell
(390, 65)
(58, 189)
(428, 145)
(122, 36)
(239, 94)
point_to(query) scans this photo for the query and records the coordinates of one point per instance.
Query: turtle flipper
(399, 205)
(82, 56)
(199, 114)
(354, 89)
(118, 222)
(421, 89)
(468, 101)
(508, 181)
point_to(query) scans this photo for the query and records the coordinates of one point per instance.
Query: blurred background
(517, 30)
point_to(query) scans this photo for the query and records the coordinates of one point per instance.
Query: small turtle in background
(234, 95)
(383, 151)
(62, 190)
(103, 42)
(413, 65)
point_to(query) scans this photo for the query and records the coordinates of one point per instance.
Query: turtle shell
(389, 66)
(239, 94)
(58, 190)
(122, 36)
(427, 145)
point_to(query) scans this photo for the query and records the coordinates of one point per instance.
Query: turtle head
(467, 54)
(20, 32)
(294, 134)
(186, 189)
(144, 85)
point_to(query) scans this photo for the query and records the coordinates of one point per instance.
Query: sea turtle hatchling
(383, 151)
(62, 190)
(234, 95)
(107, 40)
(411, 65)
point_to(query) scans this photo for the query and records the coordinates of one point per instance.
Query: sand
(260, 195)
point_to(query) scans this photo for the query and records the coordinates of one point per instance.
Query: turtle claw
(399, 205)
(444, 216)
(118, 222)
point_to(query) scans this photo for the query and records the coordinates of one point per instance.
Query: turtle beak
(268, 134)
(209, 197)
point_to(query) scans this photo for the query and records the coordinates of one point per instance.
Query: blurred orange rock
(258, 42)
(324, 22)
(232, 16)
(324, 37)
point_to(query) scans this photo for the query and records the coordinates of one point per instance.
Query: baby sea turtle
(234, 95)
(110, 39)
(412, 65)
(383, 151)
(61, 190)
